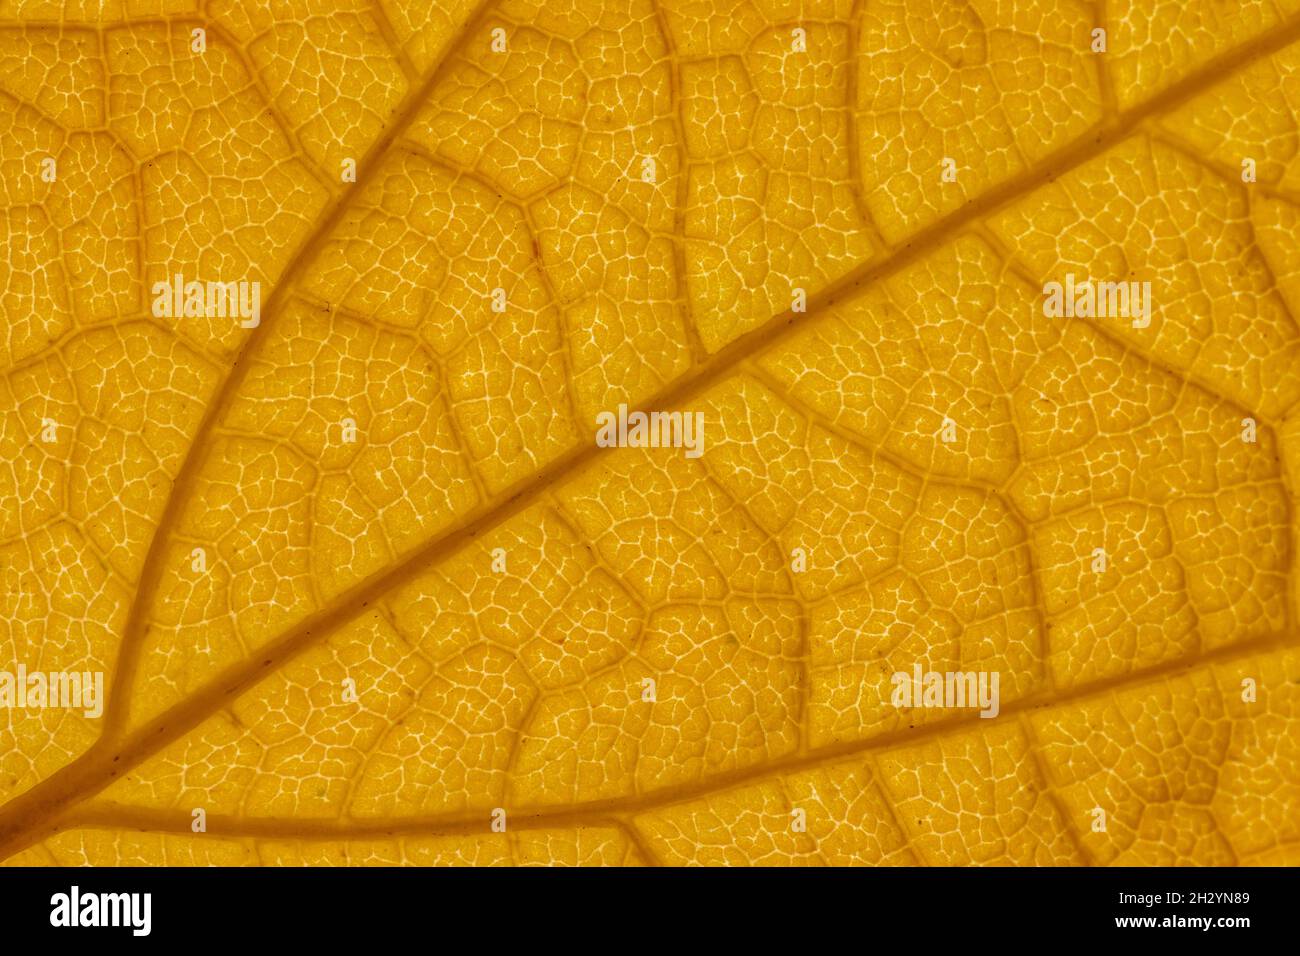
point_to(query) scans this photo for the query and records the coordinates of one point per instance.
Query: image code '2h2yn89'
(649, 433)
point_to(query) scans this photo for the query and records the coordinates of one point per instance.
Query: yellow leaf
(313, 548)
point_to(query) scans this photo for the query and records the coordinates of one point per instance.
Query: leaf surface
(644, 186)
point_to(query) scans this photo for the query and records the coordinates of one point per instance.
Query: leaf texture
(732, 208)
